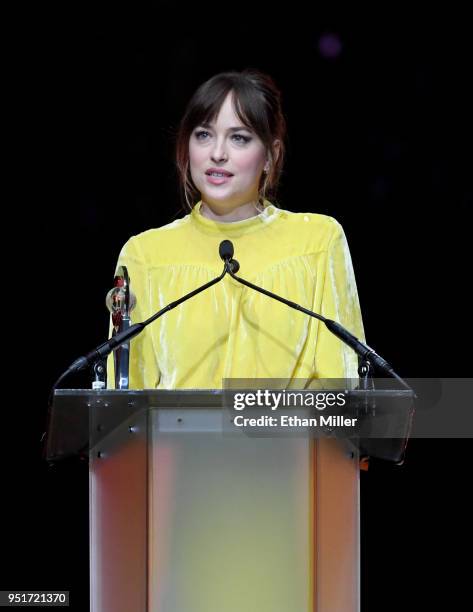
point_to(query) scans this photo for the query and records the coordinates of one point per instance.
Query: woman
(230, 152)
(235, 516)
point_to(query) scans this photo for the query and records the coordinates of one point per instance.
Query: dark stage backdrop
(377, 120)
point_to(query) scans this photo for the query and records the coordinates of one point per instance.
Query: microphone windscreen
(226, 250)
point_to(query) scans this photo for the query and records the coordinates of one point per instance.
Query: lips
(218, 180)
(211, 171)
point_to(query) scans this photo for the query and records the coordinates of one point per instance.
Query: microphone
(226, 250)
(334, 327)
(234, 266)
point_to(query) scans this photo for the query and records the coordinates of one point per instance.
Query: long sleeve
(144, 371)
(333, 358)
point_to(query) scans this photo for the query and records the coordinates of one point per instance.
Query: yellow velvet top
(232, 331)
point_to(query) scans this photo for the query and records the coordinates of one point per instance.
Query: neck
(238, 213)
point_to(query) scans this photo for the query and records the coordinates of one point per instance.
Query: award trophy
(120, 302)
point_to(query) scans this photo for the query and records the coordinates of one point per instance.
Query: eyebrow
(231, 129)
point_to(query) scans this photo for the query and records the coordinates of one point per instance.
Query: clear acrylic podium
(184, 518)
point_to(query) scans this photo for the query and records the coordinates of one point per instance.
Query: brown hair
(257, 102)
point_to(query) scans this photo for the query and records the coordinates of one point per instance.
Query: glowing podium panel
(185, 517)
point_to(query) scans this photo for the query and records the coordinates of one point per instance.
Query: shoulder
(161, 232)
(145, 245)
(320, 230)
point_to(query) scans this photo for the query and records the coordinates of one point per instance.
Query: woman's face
(228, 147)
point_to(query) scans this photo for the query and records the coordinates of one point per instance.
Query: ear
(276, 149)
(275, 154)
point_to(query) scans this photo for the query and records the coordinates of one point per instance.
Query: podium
(185, 518)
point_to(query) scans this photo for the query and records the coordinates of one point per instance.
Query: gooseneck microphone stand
(99, 354)
(368, 355)
(231, 266)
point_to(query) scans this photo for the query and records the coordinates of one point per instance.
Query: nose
(219, 152)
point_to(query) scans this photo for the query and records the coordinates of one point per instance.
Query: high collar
(268, 215)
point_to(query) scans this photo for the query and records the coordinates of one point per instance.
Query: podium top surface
(79, 418)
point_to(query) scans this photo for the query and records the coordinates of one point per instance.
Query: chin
(217, 198)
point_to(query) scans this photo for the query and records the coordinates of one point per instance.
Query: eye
(200, 133)
(241, 138)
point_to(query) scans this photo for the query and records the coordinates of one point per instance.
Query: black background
(378, 139)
